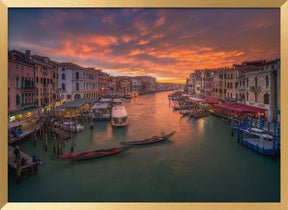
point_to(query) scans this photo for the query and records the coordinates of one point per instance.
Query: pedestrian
(23, 161)
(35, 159)
(16, 152)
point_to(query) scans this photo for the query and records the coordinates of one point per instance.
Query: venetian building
(75, 82)
(263, 89)
(21, 81)
(46, 80)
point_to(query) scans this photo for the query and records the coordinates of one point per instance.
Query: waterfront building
(75, 82)
(253, 83)
(113, 84)
(103, 83)
(21, 81)
(148, 84)
(263, 89)
(46, 80)
(136, 85)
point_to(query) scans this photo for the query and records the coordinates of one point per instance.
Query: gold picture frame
(5, 4)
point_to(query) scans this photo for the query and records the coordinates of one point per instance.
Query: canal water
(200, 163)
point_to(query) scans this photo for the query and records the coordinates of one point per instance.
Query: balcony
(255, 88)
(76, 78)
(28, 88)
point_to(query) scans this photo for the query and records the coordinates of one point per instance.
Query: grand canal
(200, 163)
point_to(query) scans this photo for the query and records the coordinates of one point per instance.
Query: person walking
(17, 153)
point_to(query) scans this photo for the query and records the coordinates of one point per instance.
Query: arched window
(247, 96)
(77, 86)
(256, 82)
(63, 86)
(267, 81)
(247, 81)
(17, 82)
(63, 76)
(77, 75)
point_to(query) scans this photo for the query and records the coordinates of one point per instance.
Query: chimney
(27, 55)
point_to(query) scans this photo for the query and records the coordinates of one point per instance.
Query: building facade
(46, 80)
(75, 82)
(21, 81)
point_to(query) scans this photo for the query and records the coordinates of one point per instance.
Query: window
(256, 82)
(68, 96)
(77, 75)
(17, 100)
(77, 86)
(63, 86)
(17, 67)
(63, 76)
(17, 82)
(22, 68)
(63, 69)
(247, 80)
(247, 96)
(266, 98)
(267, 81)
(37, 79)
(51, 81)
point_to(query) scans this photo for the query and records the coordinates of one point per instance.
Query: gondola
(94, 154)
(154, 139)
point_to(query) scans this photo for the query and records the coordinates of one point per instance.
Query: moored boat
(154, 139)
(101, 111)
(100, 153)
(93, 154)
(119, 116)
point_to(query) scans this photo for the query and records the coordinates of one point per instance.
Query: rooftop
(77, 103)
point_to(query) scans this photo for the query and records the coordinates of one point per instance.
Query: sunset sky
(166, 43)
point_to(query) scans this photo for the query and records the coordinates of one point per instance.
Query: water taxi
(119, 116)
(101, 111)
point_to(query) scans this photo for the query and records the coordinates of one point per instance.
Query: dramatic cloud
(166, 43)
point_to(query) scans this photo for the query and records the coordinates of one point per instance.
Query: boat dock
(26, 133)
(65, 135)
(31, 168)
(259, 145)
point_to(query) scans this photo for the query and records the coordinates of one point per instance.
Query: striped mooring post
(260, 122)
(250, 126)
(239, 119)
(255, 122)
(274, 147)
(278, 140)
(268, 127)
(238, 133)
(232, 124)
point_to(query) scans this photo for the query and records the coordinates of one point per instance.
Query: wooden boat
(154, 139)
(94, 153)
(199, 115)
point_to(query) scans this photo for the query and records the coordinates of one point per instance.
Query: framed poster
(166, 41)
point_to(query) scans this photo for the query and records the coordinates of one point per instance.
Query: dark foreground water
(200, 163)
